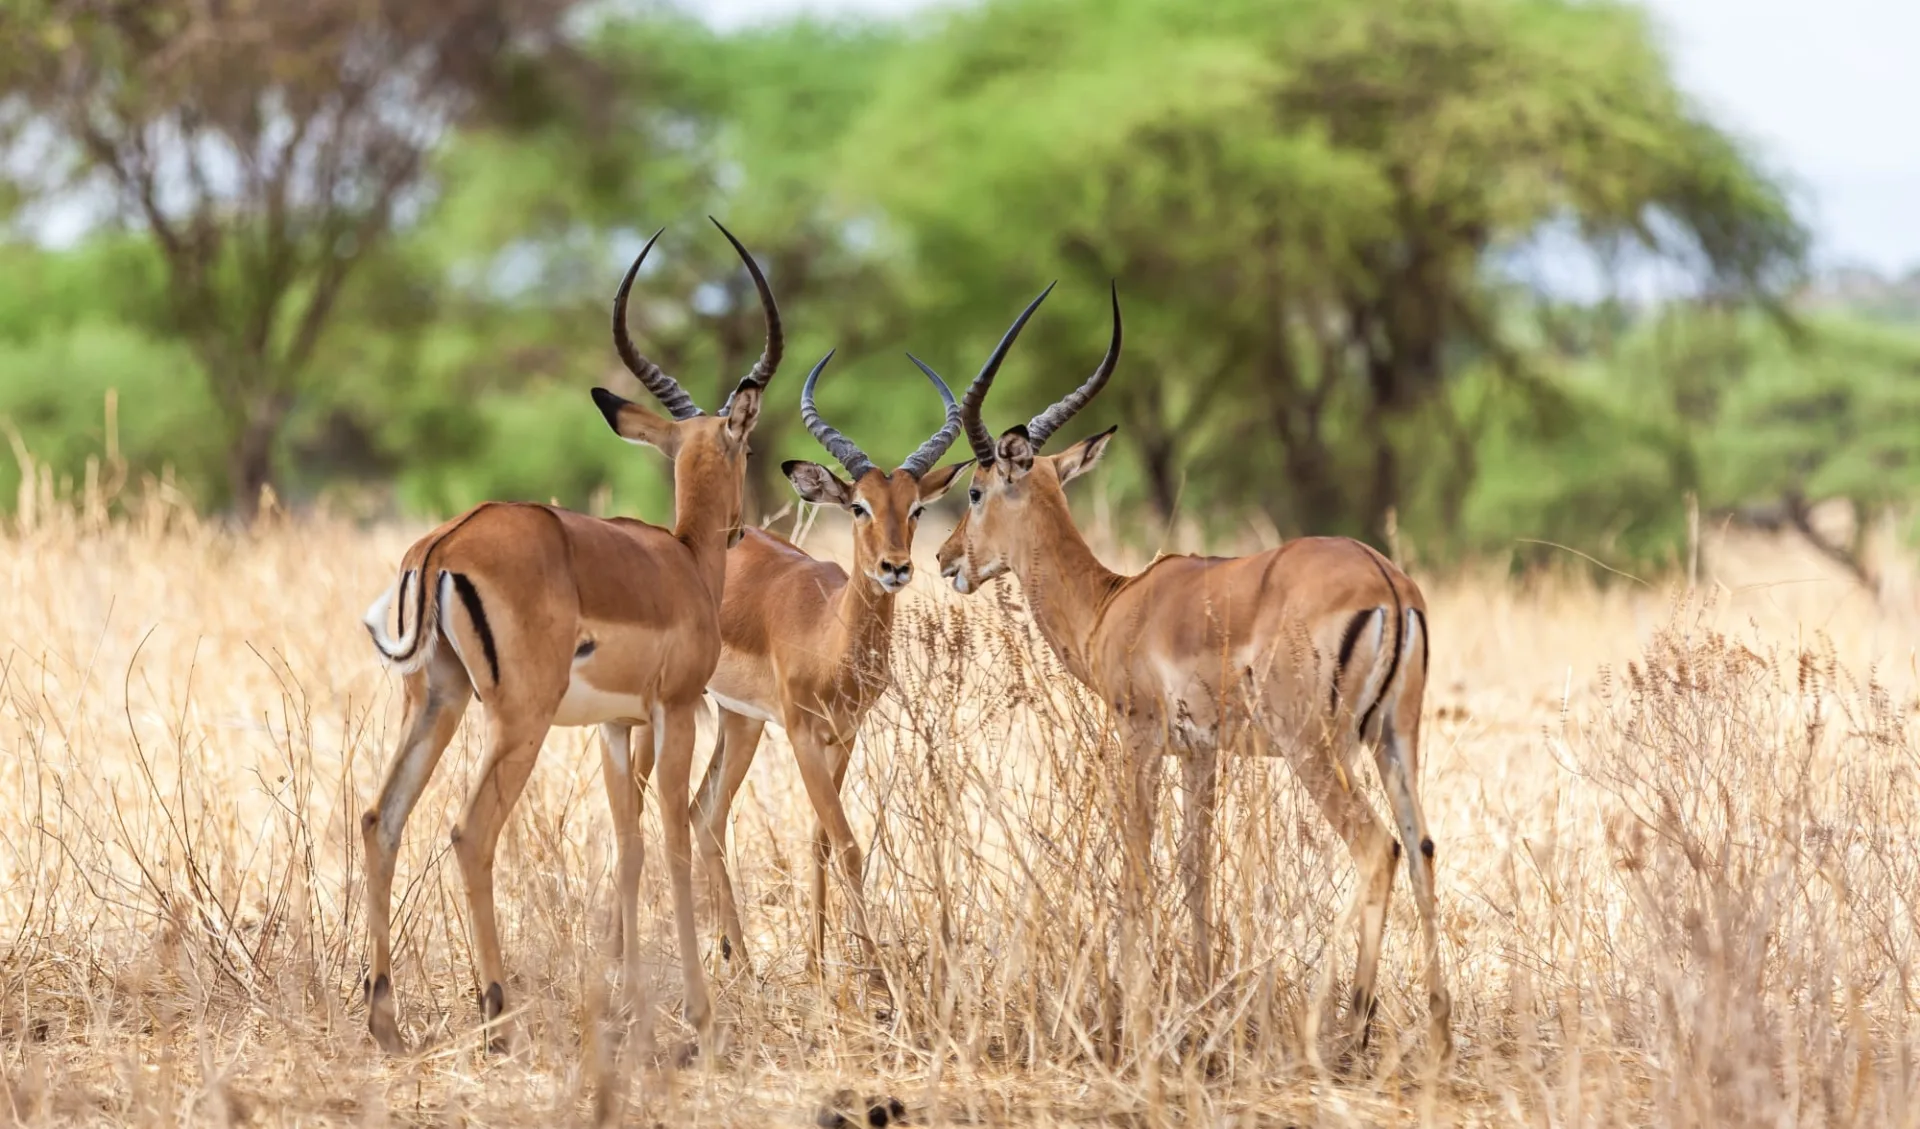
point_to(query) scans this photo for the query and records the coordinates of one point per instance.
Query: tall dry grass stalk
(1678, 879)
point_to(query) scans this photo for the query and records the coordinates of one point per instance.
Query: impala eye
(973, 495)
(860, 510)
(914, 515)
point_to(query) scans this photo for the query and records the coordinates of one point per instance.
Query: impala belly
(734, 682)
(743, 708)
(587, 704)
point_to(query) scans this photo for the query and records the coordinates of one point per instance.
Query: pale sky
(1830, 93)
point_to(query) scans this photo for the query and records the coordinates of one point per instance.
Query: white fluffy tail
(414, 645)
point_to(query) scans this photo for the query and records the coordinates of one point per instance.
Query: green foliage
(1305, 204)
(1299, 200)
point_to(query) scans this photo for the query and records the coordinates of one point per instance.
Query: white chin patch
(960, 583)
(890, 585)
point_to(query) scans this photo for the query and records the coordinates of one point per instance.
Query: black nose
(901, 572)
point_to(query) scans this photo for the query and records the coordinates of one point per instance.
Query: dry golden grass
(1678, 874)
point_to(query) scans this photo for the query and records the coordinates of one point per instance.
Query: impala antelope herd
(1308, 650)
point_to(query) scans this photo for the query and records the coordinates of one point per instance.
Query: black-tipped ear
(1081, 457)
(815, 483)
(634, 423)
(609, 405)
(1015, 449)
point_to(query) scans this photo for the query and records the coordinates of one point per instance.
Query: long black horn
(837, 445)
(664, 388)
(922, 460)
(977, 434)
(763, 369)
(1049, 421)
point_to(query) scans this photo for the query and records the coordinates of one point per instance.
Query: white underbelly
(587, 704)
(744, 709)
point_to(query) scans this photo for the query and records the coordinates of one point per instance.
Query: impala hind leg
(738, 740)
(436, 697)
(1395, 755)
(625, 781)
(513, 745)
(1373, 849)
(674, 728)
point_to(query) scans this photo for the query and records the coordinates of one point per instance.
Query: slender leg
(1395, 757)
(623, 796)
(435, 700)
(1373, 850)
(1144, 755)
(712, 809)
(1199, 796)
(674, 743)
(822, 767)
(1127, 1018)
(821, 852)
(512, 749)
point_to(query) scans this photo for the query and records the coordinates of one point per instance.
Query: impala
(805, 647)
(550, 617)
(1311, 648)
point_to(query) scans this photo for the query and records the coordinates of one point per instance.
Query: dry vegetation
(1676, 846)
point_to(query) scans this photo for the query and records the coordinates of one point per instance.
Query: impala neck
(863, 617)
(701, 506)
(1065, 584)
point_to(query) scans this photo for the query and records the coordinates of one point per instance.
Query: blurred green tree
(1301, 201)
(267, 149)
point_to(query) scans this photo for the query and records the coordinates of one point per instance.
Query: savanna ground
(1676, 832)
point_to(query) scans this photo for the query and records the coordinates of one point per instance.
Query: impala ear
(636, 424)
(1015, 450)
(1081, 457)
(743, 408)
(815, 483)
(935, 483)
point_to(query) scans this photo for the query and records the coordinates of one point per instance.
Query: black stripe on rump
(470, 599)
(1422, 617)
(1348, 642)
(1399, 637)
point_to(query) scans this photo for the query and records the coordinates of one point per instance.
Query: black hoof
(845, 1109)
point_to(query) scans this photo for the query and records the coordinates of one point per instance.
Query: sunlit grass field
(1676, 841)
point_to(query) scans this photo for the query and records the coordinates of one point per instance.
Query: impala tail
(417, 625)
(1395, 642)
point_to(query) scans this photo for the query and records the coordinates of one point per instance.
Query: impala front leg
(712, 809)
(675, 744)
(1199, 797)
(624, 798)
(823, 766)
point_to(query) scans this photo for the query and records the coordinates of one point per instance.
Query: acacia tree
(267, 147)
(1302, 202)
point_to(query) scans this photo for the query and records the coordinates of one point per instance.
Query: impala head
(886, 507)
(709, 452)
(1012, 478)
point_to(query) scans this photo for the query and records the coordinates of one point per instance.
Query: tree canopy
(371, 260)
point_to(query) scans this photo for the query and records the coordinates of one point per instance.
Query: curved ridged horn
(977, 435)
(837, 445)
(763, 368)
(664, 388)
(1049, 421)
(922, 460)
